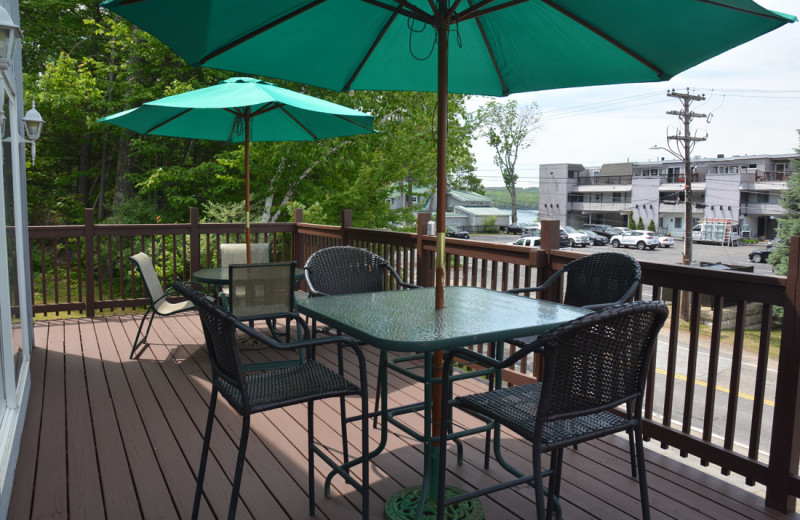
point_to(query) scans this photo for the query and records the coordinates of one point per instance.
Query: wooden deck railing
(84, 269)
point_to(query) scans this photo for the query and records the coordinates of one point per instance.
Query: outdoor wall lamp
(9, 34)
(33, 128)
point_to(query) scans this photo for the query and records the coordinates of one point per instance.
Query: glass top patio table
(406, 321)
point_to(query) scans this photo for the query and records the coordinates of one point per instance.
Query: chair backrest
(257, 290)
(599, 361)
(152, 284)
(346, 270)
(601, 278)
(237, 254)
(219, 328)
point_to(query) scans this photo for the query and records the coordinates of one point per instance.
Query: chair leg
(554, 486)
(632, 444)
(311, 490)
(379, 384)
(201, 473)
(143, 341)
(365, 454)
(237, 476)
(637, 431)
(538, 483)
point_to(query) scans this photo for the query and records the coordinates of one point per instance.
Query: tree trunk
(101, 196)
(123, 187)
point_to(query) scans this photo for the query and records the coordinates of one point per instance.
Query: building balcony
(762, 208)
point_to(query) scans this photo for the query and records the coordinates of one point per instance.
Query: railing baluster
(713, 366)
(736, 367)
(672, 354)
(761, 384)
(691, 369)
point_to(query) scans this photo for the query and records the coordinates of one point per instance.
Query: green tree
(651, 226)
(507, 126)
(789, 225)
(640, 223)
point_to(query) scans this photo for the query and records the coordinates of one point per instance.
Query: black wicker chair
(594, 281)
(592, 367)
(250, 392)
(158, 301)
(350, 270)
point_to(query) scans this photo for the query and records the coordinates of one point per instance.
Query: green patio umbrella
(241, 110)
(490, 47)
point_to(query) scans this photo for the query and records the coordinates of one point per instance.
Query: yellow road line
(720, 388)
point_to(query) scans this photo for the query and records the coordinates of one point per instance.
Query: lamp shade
(33, 123)
(9, 33)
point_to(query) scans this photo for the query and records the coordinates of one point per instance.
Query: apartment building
(740, 188)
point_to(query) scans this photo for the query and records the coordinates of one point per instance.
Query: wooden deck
(106, 437)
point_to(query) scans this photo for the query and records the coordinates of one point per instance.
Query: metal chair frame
(158, 301)
(249, 392)
(592, 366)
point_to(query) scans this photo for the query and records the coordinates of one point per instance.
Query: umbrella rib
(256, 32)
(298, 122)
(491, 55)
(660, 73)
(771, 15)
(159, 125)
(370, 51)
(474, 11)
(354, 123)
(408, 10)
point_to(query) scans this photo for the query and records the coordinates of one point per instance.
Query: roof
(468, 196)
(483, 211)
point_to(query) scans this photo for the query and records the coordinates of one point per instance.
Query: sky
(752, 94)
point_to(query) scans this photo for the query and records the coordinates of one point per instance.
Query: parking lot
(672, 255)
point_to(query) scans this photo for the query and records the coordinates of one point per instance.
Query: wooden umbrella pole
(441, 164)
(247, 180)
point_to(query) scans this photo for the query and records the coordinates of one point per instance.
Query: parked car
(576, 238)
(760, 256)
(518, 228)
(456, 233)
(529, 241)
(638, 239)
(619, 230)
(601, 229)
(563, 240)
(665, 241)
(596, 239)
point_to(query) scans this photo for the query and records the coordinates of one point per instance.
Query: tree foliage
(507, 127)
(789, 225)
(82, 64)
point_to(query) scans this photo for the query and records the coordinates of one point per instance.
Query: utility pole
(686, 116)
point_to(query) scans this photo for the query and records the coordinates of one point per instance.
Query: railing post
(194, 239)
(347, 223)
(425, 259)
(88, 255)
(298, 241)
(785, 450)
(551, 237)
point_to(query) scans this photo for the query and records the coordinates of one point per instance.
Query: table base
(404, 505)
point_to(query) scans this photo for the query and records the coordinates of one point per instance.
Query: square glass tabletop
(406, 321)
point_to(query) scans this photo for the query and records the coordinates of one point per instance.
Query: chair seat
(284, 386)
(517, 407)
(165, 307)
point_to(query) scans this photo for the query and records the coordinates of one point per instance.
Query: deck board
(107, 437)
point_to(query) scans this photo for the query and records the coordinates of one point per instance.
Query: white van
(718, 231)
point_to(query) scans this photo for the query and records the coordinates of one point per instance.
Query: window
(598, 197)
(414, 199)
(616, 197)
(678, 222)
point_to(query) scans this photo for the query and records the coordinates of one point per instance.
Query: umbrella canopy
(491, 47)
(242, 110)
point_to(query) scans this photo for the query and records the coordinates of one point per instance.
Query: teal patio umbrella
(489, 47)
(242, 110)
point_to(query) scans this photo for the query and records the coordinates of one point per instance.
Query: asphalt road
(743, 406)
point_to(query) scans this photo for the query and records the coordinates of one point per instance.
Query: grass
(752, 338)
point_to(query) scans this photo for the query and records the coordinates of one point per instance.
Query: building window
(414, 199)
(616, 197)
(598, 197)
(678, 222)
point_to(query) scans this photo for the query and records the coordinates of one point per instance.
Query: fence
(84, 269)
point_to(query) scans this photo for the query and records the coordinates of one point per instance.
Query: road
(703, 253)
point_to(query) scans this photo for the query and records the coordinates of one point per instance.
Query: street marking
(720, 388)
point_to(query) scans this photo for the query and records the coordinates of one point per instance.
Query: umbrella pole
(441, 164)
(247, 180)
